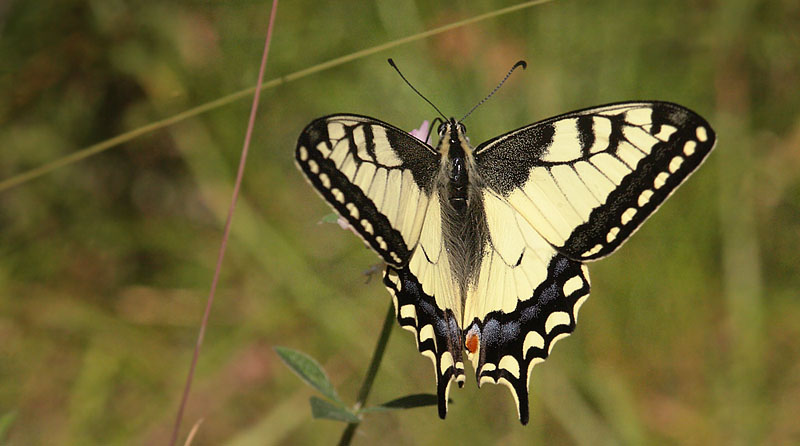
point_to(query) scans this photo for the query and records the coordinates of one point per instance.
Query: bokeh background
(692, 332)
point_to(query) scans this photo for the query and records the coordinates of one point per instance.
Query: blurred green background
(692, 333)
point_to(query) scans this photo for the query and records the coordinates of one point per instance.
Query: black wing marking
(376, 176)
(588, 179)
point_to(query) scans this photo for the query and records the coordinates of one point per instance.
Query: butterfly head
(452, 131)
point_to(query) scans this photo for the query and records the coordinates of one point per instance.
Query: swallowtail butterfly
(485, 247)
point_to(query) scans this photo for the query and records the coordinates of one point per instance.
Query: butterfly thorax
(463, 218)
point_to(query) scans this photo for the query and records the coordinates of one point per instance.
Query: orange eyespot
(471, 342)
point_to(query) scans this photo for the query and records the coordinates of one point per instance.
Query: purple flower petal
(422, 132)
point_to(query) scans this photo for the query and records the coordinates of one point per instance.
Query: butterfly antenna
(391, 62)
(433, 126)
(521, 63)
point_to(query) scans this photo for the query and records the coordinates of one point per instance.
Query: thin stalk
(375, 363)
(226, 232)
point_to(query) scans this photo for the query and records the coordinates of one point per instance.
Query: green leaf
(406, 402)
(309, 371)
(323, 409)
(5, 424)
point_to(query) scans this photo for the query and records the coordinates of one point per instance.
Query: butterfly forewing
(378, 177)
(587, 180)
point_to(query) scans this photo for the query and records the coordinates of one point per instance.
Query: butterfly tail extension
(436, 332)
(511, 344)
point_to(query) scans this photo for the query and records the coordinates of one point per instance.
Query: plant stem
(375, 363)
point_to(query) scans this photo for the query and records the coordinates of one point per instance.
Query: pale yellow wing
(587, 180)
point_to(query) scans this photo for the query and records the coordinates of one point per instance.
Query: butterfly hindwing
(587, 180)
(376, 176)
(524, 299)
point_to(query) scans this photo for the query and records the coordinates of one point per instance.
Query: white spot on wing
(488, 367)
(408, 311)
(644, 197)
(675, 163)
(366, 225)
(702, 134)
(303, 153)
(326, 182)
(660, 180)
(688, 148)
(446, 361)
(338, 195)
(510, 364)
(612, 234)
(353, 210)
(532, 340)
(627, 215)
(381, 242)
(426, 333)
(555, 319)
(573, 284)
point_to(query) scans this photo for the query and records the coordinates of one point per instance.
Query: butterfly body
(485, 247)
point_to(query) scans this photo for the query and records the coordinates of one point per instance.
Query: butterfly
(485, 247)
